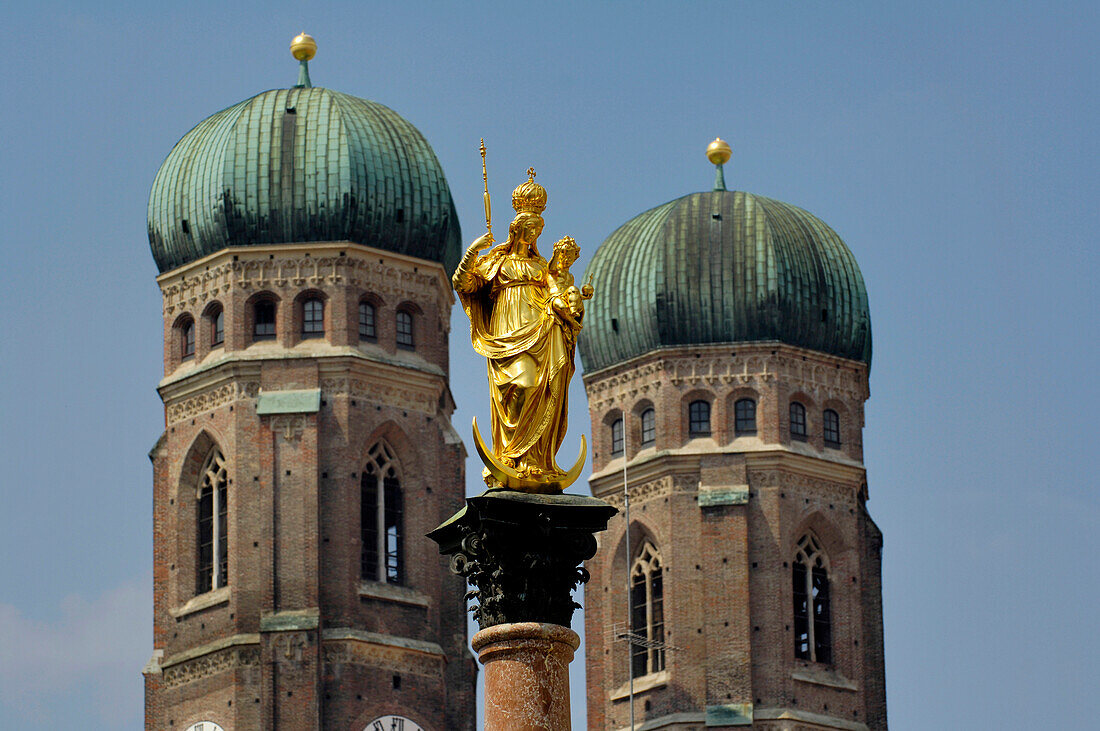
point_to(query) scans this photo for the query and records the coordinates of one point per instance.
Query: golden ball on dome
(303, 47)
(719, 152)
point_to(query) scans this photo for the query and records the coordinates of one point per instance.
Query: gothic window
(313, 318)
(813, 638)
(404, 329)
(617, 436)
(217, 327)
(649, 427)
(744, 417)
(699, 419)
(366, 321)
(647, 617)
(188, 335)
(831, 421)
(798, 421)
(382, 518)
(263, 320)
(212, 566)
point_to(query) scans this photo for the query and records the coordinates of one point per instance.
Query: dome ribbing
(300, 165)
(724, 267)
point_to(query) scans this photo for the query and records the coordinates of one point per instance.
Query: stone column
(522, 554)
(526, 675)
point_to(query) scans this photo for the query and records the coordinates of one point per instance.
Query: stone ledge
(824, 677)
(641, 685)
(209, 647)
(201, 602)
(374, 638)
(393, 593)
(819, 719)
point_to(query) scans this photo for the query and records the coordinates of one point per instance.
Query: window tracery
(212, 564)
(647, 619)
(812, 613)
(382, 518)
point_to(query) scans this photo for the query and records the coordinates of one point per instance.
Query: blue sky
(953, 146)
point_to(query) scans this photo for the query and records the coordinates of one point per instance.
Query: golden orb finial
(719, 152)
(303, 47)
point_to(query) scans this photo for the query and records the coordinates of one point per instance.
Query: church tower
(305, 240)
(726, 357)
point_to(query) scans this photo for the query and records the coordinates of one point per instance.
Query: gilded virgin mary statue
(525, 313)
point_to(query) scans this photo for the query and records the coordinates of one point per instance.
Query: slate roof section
(300, 165)
(724, 267)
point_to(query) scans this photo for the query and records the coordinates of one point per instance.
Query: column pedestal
(526, 675)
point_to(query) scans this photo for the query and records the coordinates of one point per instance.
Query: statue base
(526, 675)
(522, 553)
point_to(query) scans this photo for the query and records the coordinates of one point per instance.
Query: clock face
(392, 723)
(205, 726)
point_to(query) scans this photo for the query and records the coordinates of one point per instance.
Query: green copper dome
(299, 165)
(724, 267)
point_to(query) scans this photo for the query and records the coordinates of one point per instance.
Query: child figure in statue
(566, 300)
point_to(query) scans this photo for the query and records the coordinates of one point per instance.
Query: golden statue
(524, 315)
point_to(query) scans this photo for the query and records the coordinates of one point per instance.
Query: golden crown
(529, 195)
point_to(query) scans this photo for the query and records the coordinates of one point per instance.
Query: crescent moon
(513, 480)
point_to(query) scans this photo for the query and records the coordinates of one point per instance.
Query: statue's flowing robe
(530, 359)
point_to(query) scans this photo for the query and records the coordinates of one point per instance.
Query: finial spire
(303, 48)
(719, 153)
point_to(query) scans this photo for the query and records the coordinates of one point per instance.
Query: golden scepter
(485, 180)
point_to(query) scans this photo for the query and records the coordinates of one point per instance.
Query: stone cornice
(724, 367)
(345, 371)
(652, 464)
(256, 268)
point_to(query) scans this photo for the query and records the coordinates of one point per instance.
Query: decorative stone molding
(292, 426)
(349, 647)
(822, 376)
(378, 272)
(651, 490)
(386, 393)
(192, 406)
(210, 664)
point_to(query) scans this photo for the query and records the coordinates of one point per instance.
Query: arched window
(217, 327)
(831, 421)
(187, 333)
(382, 518)
(617, 436)
(212, 564)
(798, 421)
(313, 318)
(404, 329)
(813, 637)
(744, 417)
(263, 320)
(699, 419)
(647, 615)
(366, 322)
(649, 427)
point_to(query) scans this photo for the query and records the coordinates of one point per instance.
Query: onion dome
(724, 267)
(299, 165)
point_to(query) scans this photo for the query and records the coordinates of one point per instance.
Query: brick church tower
(305, 239)
(726, 358)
